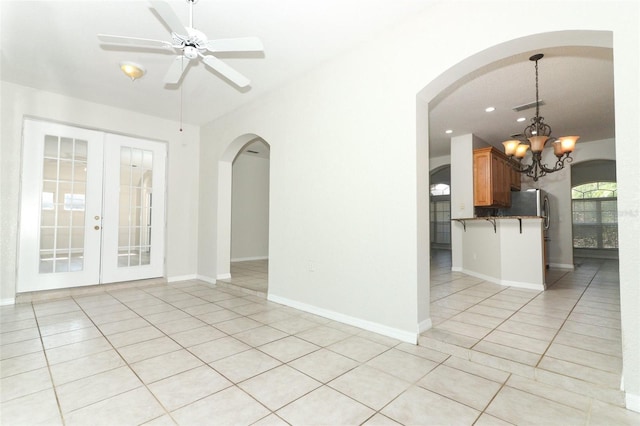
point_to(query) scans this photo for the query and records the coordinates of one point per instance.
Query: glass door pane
(134, 227)
(133, 237)
(64, 183)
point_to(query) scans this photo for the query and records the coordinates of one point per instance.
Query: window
(595, 215)
(440, 215)
(440, 189)
(74, 202)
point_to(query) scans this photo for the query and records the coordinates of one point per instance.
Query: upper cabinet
(514, 182)
(493, 178)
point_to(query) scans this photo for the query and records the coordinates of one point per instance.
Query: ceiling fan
(191, 44)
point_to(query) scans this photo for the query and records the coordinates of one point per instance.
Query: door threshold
(48, 295)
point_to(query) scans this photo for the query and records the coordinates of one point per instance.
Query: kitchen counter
(506, 250)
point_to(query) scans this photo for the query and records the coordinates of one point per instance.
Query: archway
(469, 65)
(225, 203)
(459, 71)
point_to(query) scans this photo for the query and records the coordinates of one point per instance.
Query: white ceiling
(52, 46)
(575, 84)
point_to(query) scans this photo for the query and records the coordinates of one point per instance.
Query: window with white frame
(440, 214)
(595, 215)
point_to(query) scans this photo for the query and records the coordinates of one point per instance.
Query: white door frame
(97, 202)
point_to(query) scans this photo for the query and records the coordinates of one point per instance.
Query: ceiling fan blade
(176, 70)
(245, 44)
(168, 16)
(133, 41)
(224, 69)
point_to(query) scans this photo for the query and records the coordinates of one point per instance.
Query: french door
(92, 207)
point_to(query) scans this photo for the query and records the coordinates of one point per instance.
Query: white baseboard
(223, 276)
(181, 278)
(10, 301)
(456, 269)
(568, 266)
(246, 259)
(395, 333)
(632, 402)
(206, 279)
(518, 284)
(424, 325)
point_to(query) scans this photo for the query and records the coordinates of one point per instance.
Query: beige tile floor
(249, 276)
(189, 353)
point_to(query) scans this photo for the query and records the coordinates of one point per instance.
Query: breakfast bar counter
(506, 250)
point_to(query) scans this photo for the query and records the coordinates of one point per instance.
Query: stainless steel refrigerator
(532, 202)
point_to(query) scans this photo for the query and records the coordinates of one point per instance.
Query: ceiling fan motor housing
(190, 52)
(194, 42)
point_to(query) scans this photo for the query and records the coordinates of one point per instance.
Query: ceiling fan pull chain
(181, 86)
(191, 13)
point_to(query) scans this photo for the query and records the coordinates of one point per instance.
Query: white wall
(346, 196)
(346, 163)
(182, 199)
(461, 193)
(250, 208)
(346, 201)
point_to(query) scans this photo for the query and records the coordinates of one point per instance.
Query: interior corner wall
(182, 177)
(250, 208)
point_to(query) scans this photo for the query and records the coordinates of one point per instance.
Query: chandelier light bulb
(510, 146)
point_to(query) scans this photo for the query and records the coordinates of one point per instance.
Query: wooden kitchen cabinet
(515, 181)
(492, 178)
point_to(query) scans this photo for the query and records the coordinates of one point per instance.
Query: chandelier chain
(537, 97)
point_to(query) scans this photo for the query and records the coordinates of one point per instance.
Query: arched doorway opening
(462, 198)
(440, 208)
(594, 277)
(243, 215)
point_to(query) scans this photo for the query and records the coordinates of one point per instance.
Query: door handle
(96, 227)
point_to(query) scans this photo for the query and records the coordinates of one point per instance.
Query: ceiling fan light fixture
(132, 70)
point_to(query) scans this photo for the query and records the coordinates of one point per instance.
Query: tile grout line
(46, 357)
(564, 322)
(124, 360)
(558, 330)
(233, 383)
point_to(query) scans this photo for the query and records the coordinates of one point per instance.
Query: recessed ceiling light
(132, 70)
(490, 109)
(521, 119)
(448, 131)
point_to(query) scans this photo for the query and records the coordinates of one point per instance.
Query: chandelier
(535, 136)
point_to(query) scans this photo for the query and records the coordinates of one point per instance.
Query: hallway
(251, 276)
